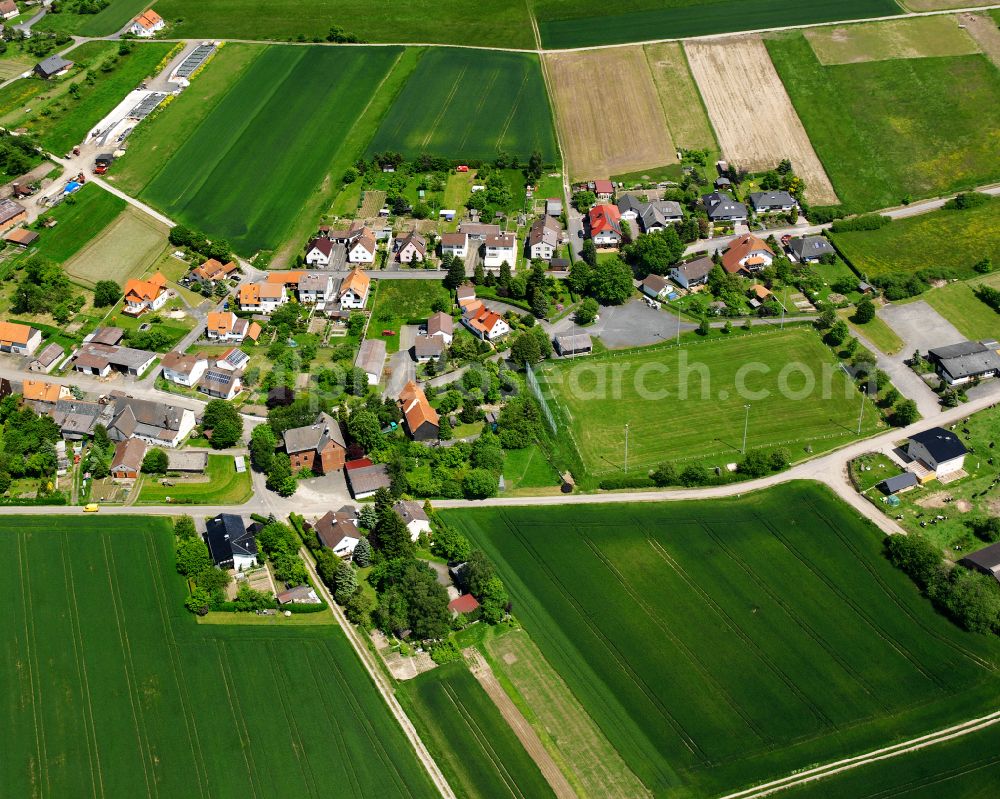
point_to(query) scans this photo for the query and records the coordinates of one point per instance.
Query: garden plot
(752, 114)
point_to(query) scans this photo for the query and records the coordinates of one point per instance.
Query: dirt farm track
(753, 116)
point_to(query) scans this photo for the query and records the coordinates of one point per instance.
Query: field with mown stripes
(718, 644)
(112, 689)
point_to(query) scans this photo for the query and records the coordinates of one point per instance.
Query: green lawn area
(113, 689)
(570, 23)
(469, 104)
(963, 768)
(298, 104)
(888, 130)
(954, 240)
(400, 302)
(958, 303)
(469, 739)
(876, 331)
(61, 121)
(458, 22)
(81, 217)
(224, 487)
(527, 468)
(108, 20)
(722, 643)
(705, 385)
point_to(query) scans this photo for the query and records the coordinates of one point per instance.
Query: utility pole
(746, 427)
(784, 302)
(861, 413)
(626, 447)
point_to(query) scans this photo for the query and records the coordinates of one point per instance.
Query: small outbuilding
(899, 483)
(574, 344)
(985, 560)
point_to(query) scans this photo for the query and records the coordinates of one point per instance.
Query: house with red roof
(747, 254)
(604, 189)
(483, 323)
(147, 24)
(605, 225)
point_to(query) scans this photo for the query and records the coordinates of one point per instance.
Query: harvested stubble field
(124, 249)
(607, 133)
(683, 108)
(721, 643)
(954, 240)
(596, 397)
(893, 130)
(917, 37)
(470, 740)
(985, 29)
(752, 114)
(114, 690)
(571, 23)
(297, 105)
(469, 104)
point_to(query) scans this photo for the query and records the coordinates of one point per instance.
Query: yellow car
(93, 507)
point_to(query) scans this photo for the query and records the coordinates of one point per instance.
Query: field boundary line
(478, 109)
(81, 670)
(127, 668)
(513, 109)
(444, 107)
(307, 773)
(189, 721)
(874, 756)
(32, 647)
(239, 721)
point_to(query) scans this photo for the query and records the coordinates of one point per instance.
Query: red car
(388, 332)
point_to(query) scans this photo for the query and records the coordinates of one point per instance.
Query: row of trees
(208, 584)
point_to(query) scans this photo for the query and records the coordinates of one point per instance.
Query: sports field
(570, 23)
(265, 149)
(114, 690)
(890, 130)
(468, 104)
(505, 23)
(687, 405)
(721, 643)
(952, 239)
(126, 248)
(469, 739)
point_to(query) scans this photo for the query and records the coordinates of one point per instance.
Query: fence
(535, 389)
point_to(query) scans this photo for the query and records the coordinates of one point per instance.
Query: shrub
(858, 223)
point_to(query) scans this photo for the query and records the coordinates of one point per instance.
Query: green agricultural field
(958, 303)
(81, 217)
(114, 690)
(954, 240)
(890, 130)
(469, 739)
(296, 104)
(468, 104)
(48, 110)
(718, 644)
(964, 768)
(401, 302)
(504, 24)
(569, 23)
(110, 19)
(687, 405)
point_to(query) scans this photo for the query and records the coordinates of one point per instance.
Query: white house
(772, 201)
(354, 290)
(500, 249)
(264, 297)
(319, 252)
(233, 360)
(146, 295)
(413, 516)
(456, 244)
(147, 24)
(184, 370)
(938, 449)
(361, 249)
(483, 323)
(314, 287)
(543, 238)
(747, 254)
(692, 273)
(226, 326)
(441, 325)
(9, 9)
(18, 338)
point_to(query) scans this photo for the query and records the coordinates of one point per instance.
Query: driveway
(920, 326)
(635, 324)
(401, 363)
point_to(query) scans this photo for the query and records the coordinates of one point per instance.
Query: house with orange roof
(146, 295)
(213, 270)
(19, 339)
(287, 279)
(264, 297)
(43, 391)
(147, 24)
(483, 323)
(227, 326)
(420, 419)
(354, 290)
(747, 254)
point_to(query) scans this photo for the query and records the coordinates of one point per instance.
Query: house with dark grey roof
(413, 516)
(230, 543)
(940, 450)
(427, 347)
(721, 207)
(52, 67)
(692, 273)
(765, 202)
(46, 360)
(319, 447)
(156, 423)
(365, 480)
(649, 216)
(809, 249)
(961, 363)
(985, 560)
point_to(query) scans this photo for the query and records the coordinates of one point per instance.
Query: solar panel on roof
(236, 356)
(217, 377)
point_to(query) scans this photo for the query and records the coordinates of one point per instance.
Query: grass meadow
(469, 739)
(692, 410)
(567, 23)
(469, 104)
(504, 24)
(113, 689)
(294, 104)
(956, 240)
(128, 247)
(225, 486)
(81, 217)
(958, 303)
(108, 20)
(897, 129)
(721, 643)
(401, 302)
